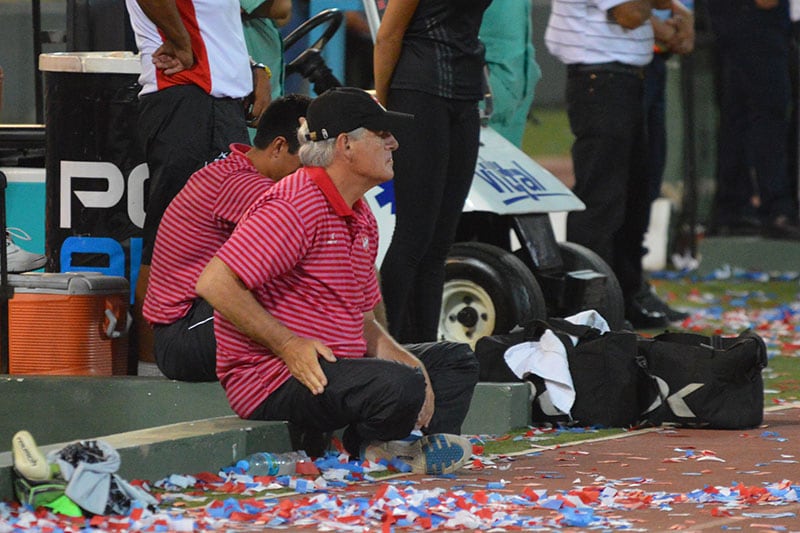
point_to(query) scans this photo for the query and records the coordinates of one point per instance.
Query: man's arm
(175, 54)
(226, 293)
(258, 101)
(634, 13)
(280, 11)
(381, 345)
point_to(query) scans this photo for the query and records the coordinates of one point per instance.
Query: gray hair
(320, 153)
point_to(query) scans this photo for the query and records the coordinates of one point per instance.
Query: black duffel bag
(712, 382)
(610, 384)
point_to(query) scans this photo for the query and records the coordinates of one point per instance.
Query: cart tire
(577, 257)
(487, 291)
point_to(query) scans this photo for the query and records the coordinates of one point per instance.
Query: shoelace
(17, 233)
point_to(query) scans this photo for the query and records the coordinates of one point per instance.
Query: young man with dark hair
(197, 222)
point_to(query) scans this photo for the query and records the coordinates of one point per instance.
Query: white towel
(547, 358)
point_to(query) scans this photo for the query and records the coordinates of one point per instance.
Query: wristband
(264, 67)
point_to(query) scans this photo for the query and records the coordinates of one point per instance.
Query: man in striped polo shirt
(197, 81)
(606, 45)
(197, 222)
(295, 289)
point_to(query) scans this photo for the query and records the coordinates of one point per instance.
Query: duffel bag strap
(535, 328)
(748, 335)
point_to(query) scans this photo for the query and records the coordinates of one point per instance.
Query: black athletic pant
(186, 350)
(380, 400)
(433, 166)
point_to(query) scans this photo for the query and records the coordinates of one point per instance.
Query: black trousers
(181, 129)
(433, 166)
(605, 110)
(754, 104)
(380, 400)
(186, 350)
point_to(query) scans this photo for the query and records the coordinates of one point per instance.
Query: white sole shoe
(28, 459)
(439, 453)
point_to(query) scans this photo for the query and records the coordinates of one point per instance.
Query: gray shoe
(435, 454)
(20, 260)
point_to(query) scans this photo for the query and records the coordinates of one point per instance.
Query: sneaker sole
(445, 453)
(435, 454)
(28, 459)
(15, 267)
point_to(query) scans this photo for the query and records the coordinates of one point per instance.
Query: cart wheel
(487, 291)
(577, 257)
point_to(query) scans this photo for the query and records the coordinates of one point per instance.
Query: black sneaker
(649, 300)
(641, 318)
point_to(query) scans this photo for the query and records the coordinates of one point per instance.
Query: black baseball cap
(344, 109)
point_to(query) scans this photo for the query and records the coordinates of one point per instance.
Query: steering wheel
(309, 63)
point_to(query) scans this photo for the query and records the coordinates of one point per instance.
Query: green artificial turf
(547, 133)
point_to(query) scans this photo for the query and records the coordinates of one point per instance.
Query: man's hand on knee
(301, 356)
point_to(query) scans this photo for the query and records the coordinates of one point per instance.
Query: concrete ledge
(66, 408)
(498, 408)
(186, 447)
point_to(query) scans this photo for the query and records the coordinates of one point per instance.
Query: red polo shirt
(197, 222)
(309, 259)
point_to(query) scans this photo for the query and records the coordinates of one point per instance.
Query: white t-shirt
(222, 65)
(582, 32)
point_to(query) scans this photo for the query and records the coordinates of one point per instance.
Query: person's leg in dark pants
(182, 129)
(434, 166)
(186, 349)
(734, 210)
(604, 111)
(768, 126)
(463, 154)
(453, 370)
(629, 239)
(373, 399)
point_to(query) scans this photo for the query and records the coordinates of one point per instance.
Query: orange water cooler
(68, 324)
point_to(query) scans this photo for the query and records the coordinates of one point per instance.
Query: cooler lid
(88, 283)
(122, 62)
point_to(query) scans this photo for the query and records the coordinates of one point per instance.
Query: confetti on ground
(337, 499)
(360, 497)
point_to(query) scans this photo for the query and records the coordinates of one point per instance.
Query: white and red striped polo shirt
(196, 224)
(222, 65)
(309, 260)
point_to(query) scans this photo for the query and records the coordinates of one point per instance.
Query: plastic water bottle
(273, 464)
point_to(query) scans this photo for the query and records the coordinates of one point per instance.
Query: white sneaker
(28, 459)
(20, 260)
(439, 453)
